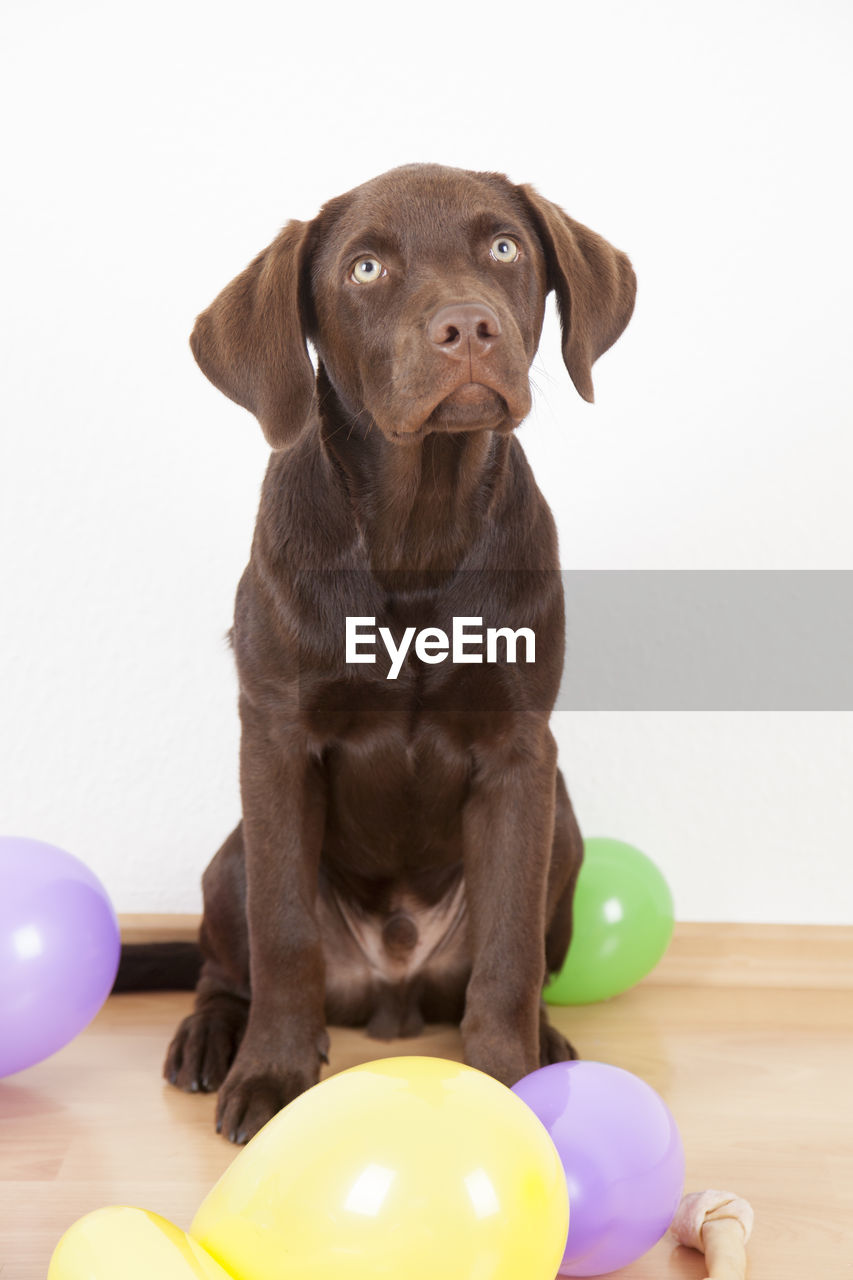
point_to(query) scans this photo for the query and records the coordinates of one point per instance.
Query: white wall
(154, 149)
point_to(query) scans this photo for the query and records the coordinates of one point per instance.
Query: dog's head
(423, 293)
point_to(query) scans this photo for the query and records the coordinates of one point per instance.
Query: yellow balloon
(407, 1167)
(133, 1244)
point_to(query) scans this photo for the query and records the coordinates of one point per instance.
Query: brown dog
(408, 850)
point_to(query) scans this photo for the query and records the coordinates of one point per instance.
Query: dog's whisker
(542, 372)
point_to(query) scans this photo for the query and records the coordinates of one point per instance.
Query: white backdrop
(152, 149)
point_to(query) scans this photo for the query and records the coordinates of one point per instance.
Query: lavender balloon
(622, 1156)
(59, 950)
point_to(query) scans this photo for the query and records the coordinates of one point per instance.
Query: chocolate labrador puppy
(407, 849)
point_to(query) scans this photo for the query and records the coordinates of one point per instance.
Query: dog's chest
(395, 799)
(392, 852)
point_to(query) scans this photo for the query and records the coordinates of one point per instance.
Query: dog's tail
(158, 966)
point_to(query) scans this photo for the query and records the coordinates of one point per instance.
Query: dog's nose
(464, 326)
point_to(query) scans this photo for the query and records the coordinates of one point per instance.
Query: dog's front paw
(246, 1103)
(205, 1045)
(255, 1089)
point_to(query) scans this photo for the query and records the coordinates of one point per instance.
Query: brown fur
(407, 849)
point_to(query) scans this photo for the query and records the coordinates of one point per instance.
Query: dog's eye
(504, 249)
(366, 270)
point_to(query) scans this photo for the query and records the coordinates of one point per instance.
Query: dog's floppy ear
(594, 283)
(250, 342)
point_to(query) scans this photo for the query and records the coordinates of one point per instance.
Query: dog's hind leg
(206, 1042)
(566, 860)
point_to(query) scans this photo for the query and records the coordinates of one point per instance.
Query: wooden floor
(760, 1080)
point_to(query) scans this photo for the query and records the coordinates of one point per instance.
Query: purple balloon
(59, 950)
(622, 1156)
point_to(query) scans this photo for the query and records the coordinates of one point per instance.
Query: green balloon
(623, 918)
